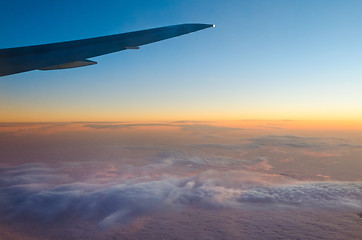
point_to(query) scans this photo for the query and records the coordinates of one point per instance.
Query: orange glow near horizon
(60, 115)
(160, 126)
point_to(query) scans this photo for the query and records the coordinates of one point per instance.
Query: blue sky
(264, 59)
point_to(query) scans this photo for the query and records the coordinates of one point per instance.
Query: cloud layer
(111, 193)
(302, 142)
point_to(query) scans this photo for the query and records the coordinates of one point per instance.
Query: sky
(264, 60)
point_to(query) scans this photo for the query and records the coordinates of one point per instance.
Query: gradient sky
(264, 60)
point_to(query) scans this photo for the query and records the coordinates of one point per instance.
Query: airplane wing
(72, 54)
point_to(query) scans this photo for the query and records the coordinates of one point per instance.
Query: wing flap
(74, 64)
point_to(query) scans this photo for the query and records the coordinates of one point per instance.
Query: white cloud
(131, 192)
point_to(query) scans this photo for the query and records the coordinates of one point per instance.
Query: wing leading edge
(72, 54)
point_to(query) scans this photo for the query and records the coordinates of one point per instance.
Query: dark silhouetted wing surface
(76, 53)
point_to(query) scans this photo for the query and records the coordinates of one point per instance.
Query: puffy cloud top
(119, 194)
